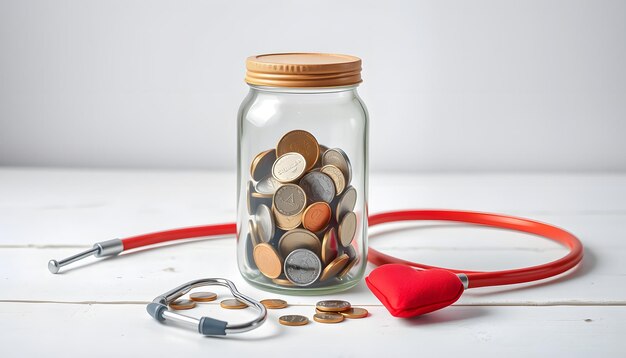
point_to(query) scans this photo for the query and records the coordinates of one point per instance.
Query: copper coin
(289, 200)
(347, 229)
(355, 312)
(298, 239)
(323, 149)
(233, 304)
(261, 166)
(336, 175)
(328, 317)
(267, 260)
(338, 158)
(329, 246)
(203, 296)
(333, 306)
(346, 203)
(274, 303)
(316, 216)
(293, 320)
(334, 267)
(182, 304)
(289, 167)
(302, 142)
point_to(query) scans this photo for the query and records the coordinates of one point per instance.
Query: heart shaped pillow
(407, 292)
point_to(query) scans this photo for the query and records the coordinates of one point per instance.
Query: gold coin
(336, 175)
(287, 222)
(334, 267)
(347, 229)
(233, 304)
(283, 282)
(329, 246)
(182, 304)
(333, 306)
(348, 267)
(302, 142)
(298, 239)
(316, 216)
(203, 296)
(267, 260)
(293, 320)
(355, 312)
(338, 158)
(328, 317)
(274, 303)
(261, 165)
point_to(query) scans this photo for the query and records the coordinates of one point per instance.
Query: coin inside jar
(302, 267)
(298, 239)
(329, 246)
(289, 200)
(264, 223)
(318, 187)
(301, 142)
(267, 185)
(293, 320)
(286, 222)
(274, 303)
(267, 260)
(346, 203)
(336, 175)
(203, 296)
(355, 312)
(338, 158)
(333, 305)
(328, 317)
(261, 165)
(347, 229)
(334, 267)
(233, 304)
(316, 216)
(182, 304)
(289, 167)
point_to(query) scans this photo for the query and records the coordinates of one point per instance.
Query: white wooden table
(97, 307)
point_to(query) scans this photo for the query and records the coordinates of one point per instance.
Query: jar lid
(303, 70)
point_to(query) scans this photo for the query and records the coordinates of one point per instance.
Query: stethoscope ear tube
(206, 326)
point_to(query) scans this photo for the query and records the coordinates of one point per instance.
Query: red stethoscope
(405, 291)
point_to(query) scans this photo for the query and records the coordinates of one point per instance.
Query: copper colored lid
(303, 70)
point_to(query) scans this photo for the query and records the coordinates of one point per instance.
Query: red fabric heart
(407, 292)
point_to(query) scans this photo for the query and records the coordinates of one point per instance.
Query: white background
(450, 85)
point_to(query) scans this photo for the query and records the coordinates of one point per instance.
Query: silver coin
(318, 187)
(252, 231)
(254, 199)
(262, 164)
(346, 203)
(347, 229)
(289, 167)
(249, 250)
(267, 185)
(333, 305)
(289, 200)
(299, 239)
(338, 158)
(302, 267)
(264, 223)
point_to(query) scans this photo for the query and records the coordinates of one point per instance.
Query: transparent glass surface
(337, 118)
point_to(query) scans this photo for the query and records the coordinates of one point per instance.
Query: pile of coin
(330, 311)
(302, 223)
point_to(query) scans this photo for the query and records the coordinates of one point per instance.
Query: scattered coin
(264, 223)
(334, 267)
(346, 203)
(298, 239)
(302, 267)
(182, 304)
(233, 304)
(289, 167)
(329, 246)
(318, 187)
(328, 317)
(261, 165)
(333, 306)
(289, 200)
(302, 142)
(347, 229)
(316, 216)
(293, 320)
(203, 296)
(338, 158)
(267, 260)
(274, 303)
(336, 175)
(355, 312)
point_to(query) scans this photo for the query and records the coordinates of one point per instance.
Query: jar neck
(304, 90)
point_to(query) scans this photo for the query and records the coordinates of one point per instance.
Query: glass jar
(302, 174)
